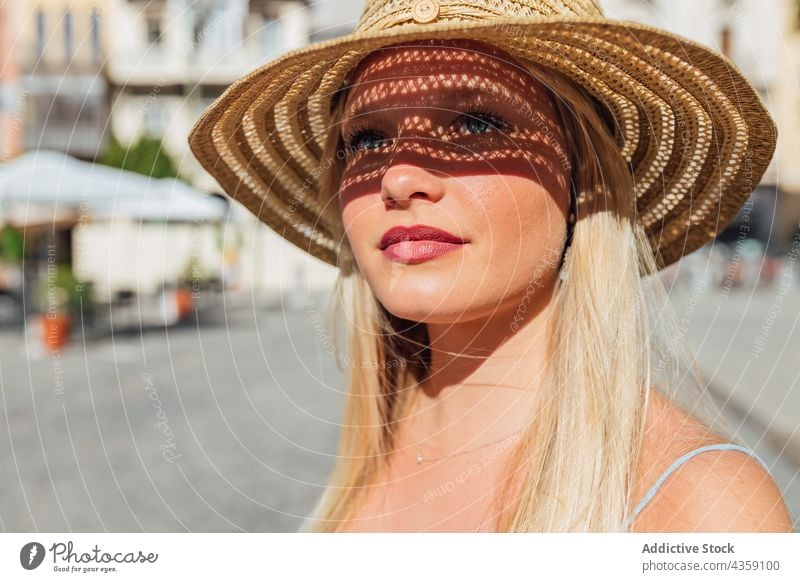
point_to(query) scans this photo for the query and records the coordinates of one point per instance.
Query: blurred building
(786, 93)
(10, 94)
(167, 62)
(334, 18)
(57, 47)
(763, 38)
(77, 71)
(743, 30)
(169, 59)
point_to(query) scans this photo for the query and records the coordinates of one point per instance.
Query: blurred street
(223, 428)
(231, 425)
(747, 348)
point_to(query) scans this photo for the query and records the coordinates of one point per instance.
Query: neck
(484, 375)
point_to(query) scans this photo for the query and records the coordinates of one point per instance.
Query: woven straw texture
(694, 129)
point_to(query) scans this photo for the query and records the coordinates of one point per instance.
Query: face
(455, 188)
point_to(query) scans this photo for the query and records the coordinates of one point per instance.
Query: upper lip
(398, 234)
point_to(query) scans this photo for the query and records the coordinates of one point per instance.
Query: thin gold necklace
(420, 458)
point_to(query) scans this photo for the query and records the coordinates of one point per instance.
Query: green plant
(192, 274)
(59, 291)
(146, 156)
(12, 245)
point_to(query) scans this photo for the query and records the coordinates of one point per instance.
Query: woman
(499, 203)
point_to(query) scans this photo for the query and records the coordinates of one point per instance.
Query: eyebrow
(457, 98)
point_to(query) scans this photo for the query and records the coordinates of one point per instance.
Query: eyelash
(357, 132)
(481, 112)
(484, 113)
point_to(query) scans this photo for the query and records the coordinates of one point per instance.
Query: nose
(404, 181)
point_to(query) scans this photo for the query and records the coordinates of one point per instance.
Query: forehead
(420, 74)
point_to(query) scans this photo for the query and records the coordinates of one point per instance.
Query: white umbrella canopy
(54, 178)
(165, 200)
(45, 176)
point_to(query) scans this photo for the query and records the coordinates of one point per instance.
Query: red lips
(415, 232)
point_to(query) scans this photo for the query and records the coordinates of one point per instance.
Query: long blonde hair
(613, 335)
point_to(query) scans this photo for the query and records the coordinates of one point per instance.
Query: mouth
(418, 243)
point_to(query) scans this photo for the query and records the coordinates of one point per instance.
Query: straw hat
(694, 129)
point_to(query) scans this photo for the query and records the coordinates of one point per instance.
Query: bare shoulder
(715, 491)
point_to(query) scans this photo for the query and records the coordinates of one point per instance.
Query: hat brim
(694, 129)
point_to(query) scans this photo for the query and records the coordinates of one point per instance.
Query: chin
(416, 299)
(433, 314)
(448, 300)
(449, 307)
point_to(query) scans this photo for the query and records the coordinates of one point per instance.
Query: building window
(726, 45)
(8, 98)
(270, 38)
(40, 40)
(94, 28)
(155, 120)
(198, 26)
(68, 35)
(197, 33)
(797, 13)
(154, 30)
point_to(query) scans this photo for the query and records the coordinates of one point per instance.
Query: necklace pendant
(420, 458)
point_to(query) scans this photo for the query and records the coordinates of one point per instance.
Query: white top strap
(681, 460)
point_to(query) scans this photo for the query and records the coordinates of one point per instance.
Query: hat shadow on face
(556, 121)
(418, 104)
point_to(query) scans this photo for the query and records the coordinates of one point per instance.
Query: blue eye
(481, 121)
(364, 139)
(475, 125)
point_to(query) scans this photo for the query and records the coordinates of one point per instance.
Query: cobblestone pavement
(232, 425)
(747, 344)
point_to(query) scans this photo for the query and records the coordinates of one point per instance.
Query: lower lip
(418, 251)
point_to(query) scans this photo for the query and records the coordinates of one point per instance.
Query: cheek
(522, 237)
(358, 219)
(520, 218)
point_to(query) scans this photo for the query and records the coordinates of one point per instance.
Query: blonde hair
(613, 335)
